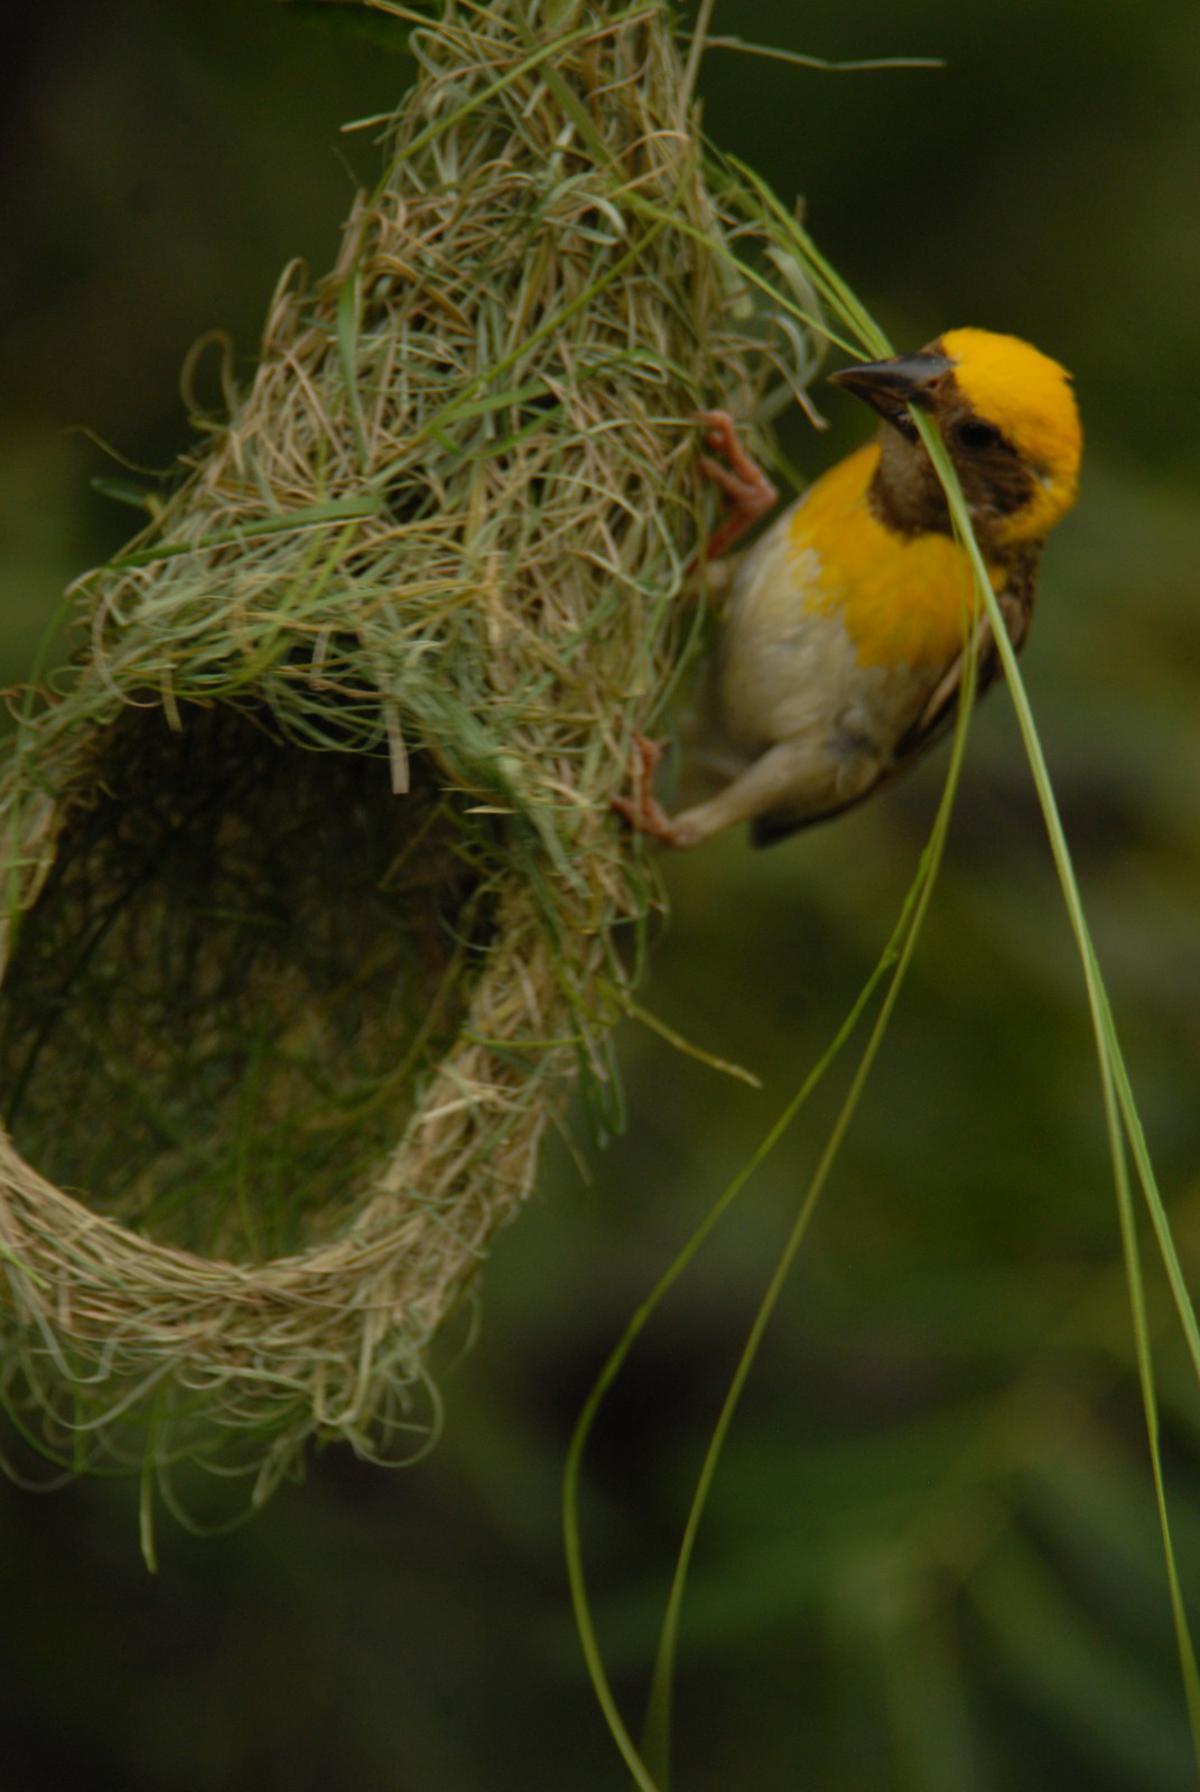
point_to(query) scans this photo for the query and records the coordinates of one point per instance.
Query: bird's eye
(976, 435)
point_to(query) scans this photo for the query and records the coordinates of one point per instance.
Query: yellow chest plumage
(904, 600)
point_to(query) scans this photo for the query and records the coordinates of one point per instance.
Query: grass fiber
(315, 906)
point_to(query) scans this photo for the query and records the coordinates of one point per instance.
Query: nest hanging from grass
(312, 883)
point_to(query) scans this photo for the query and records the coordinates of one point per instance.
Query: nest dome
(313, 892)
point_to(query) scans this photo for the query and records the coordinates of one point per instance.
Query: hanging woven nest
(312, 883)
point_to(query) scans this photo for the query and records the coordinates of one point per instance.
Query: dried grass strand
(442, 537)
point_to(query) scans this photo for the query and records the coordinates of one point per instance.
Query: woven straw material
(314, 895)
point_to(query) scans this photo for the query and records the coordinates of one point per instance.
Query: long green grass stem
(1123, 1122)
(650, 1766)
(658, 1716)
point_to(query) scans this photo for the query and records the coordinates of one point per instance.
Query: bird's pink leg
(749, 492)
(643, 810)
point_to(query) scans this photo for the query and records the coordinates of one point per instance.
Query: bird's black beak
(889, 387)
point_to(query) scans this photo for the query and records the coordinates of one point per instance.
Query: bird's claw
(748, 491)
(642, 810)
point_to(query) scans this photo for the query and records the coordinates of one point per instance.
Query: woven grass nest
(313, 890)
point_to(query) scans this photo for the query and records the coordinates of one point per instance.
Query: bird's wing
(1016, 607)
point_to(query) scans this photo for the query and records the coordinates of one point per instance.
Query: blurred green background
(931, 1560)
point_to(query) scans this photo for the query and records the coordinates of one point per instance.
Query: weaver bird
(840, 648)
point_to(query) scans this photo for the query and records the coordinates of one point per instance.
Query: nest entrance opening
(244, 964)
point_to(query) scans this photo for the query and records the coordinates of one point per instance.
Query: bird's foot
(747, 489)
(642, 810)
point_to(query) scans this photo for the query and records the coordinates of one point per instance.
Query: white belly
(780, 670)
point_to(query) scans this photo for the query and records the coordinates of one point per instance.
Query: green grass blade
(893, 961)
(572, 1532)
(650, 1766)
(1121, 1115)
(658, 1718)
(347, 341)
